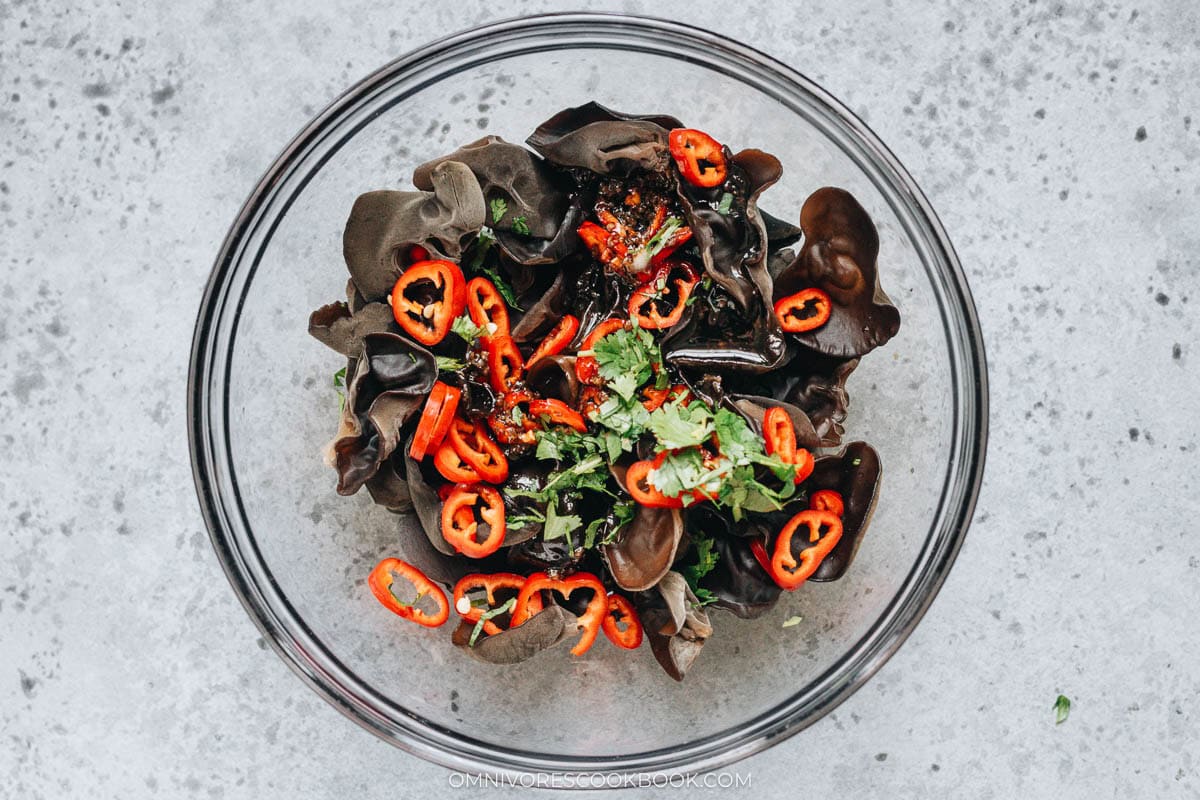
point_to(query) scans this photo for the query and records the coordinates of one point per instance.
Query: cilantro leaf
(339, 386)
(499, 207)
(467, 329)
(706, 561)
(704, 596)
(625, 420)
(557, 527)
(622, 513)
(480, 248)
(677, 425)
(726, 204)
(531, 515)
(448, 364)
(626, 360)
(1062, 709)
(521, 227)
(502, 286)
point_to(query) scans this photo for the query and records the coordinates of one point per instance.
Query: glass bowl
(262, 406)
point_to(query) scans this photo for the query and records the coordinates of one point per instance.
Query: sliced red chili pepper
(384, 575)
(489, 584)
(787, 571)
(764, 560)
(592, 618)
(637, 481)
(504, 362)
(621, 612)
(586, 368)
(779, 435)
(804, 463)
(700, 157)
(827, 500)
(461, 519)
(424, 433)
(486, 307)
(439, 411)
(426, 299)
(805, 310)
(653, 399)
(595, 237)
(561, 335)
(452, 466)
(444, 491)
(645, 304)
(558, 413)
(478, 450)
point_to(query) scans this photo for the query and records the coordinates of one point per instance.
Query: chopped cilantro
(1062, 709)
(726, 204)
(704, 596)
(448, 364)
(482, 245)
(477, 262)
(622, 513)
(521, 520)
(467, 329)
(557, 527)
(521, 227)
(502, 286)
(678, 424)
(707, 559)
(626, 360)
(623, 421)
(499, 208)
(339, 385)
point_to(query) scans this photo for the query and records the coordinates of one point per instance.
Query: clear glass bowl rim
(213, 343)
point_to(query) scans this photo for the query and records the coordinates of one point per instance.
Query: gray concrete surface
(1057, 141)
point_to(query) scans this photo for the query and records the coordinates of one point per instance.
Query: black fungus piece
(391, 381)
(855, 474)
(645, 548)
(383, 225)
(604, 141)
(839, 256)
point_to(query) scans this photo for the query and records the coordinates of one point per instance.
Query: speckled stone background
(1055, 139)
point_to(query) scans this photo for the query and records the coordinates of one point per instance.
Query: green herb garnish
(521, 227)
(707, 559)
(487, 615)
(678, 424)
(468, 330)
(339, 385)
(726, 204)
(448, 364)
(502, 287)
(499, 207)
(622, 513)
(626, 360)
(1062, 709)
(557, 527)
